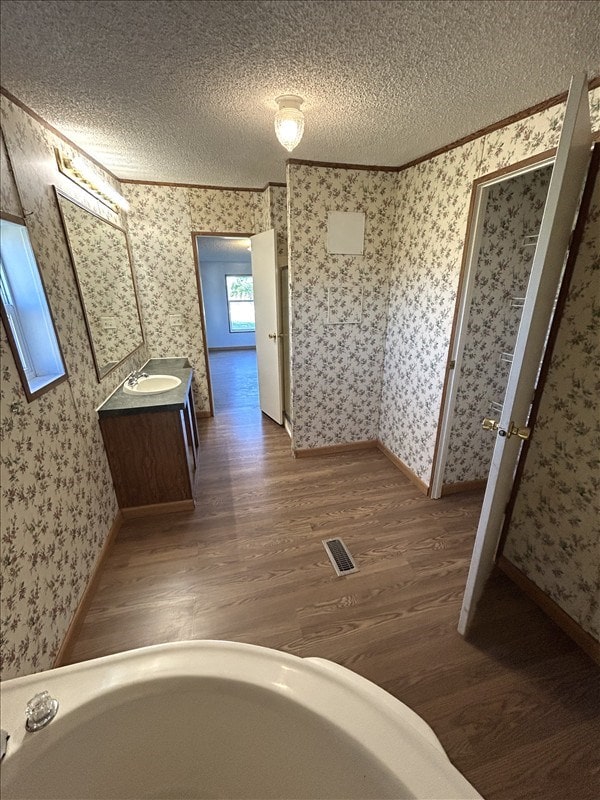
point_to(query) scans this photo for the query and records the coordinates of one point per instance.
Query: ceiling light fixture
(289, 121)
(77, 169)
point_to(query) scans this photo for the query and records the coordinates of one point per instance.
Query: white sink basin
(153, 384)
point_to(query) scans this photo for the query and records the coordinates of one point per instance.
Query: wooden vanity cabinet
(153, 458)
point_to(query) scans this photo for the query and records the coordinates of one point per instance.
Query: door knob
(489, 424)
(522, 433)
(492, 425)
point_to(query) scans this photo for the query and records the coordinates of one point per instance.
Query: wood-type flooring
(516, 706)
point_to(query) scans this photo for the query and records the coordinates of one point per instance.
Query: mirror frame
(101, 374)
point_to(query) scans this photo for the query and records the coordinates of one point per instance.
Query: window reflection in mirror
(101, 262)
(25, 313)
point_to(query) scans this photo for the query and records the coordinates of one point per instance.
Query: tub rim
(384, 726)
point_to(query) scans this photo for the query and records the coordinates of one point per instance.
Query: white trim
(473, 246)
(288, 426)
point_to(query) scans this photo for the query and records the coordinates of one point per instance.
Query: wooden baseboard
(203, 414)
(551, 609)
(463, 486)
(369, 444)
(90, 589)
(333, 449)
(407, 471)
(158, 508)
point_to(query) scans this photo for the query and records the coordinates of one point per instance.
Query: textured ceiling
(184, 91)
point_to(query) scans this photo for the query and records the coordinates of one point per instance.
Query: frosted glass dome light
(289, 121)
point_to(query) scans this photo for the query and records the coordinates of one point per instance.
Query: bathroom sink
(153, 384)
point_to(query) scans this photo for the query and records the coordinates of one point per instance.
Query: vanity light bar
(77, 170)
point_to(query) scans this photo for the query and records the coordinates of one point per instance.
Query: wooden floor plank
(516, 706)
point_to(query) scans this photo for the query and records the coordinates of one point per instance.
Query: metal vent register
(339, 556)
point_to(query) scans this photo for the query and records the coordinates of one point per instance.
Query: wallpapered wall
(58, 502)
(337, 367)
(513, 211)
(160, 222)
(432, 203)
(9, 199)
(277, 208)
(554, 536)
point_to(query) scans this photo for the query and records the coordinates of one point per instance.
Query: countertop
(120, 403)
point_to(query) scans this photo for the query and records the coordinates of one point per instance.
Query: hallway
(516, 706)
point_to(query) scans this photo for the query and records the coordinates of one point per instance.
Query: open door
(267, 308)
(566, 183)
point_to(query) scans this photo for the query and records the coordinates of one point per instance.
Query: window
(26, 314)
(240, 303)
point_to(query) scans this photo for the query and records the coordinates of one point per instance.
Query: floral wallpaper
(432, 203)
(277, 199)
(58, 502)
(160, 227)
(554, 535)
(224, 210)
(105, 279)
(513, 212)
(337, 367)
(161, 221)
(265, 215)
(9, 199)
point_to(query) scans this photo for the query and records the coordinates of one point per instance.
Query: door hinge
(452, 364)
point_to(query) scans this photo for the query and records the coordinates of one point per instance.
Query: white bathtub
(212, 719)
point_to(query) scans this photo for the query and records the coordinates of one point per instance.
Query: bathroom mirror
(102, 265)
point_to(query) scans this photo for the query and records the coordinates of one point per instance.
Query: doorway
(227, 302)
(510, 428)
(506, 216)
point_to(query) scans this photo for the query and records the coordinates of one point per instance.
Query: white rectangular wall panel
(346, 232)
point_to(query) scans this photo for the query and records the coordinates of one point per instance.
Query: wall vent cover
(339, 556)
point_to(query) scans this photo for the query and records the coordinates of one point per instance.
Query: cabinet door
(191, 428)
(148, 458)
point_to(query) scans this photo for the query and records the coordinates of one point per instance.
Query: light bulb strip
(77, 170)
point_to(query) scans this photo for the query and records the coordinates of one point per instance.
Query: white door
(568, 175)
(267, 308)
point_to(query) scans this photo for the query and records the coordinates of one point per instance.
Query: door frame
(196, 235)
(555, 235)
(462, 306)
(582, 216)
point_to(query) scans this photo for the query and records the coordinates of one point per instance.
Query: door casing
(462, 308)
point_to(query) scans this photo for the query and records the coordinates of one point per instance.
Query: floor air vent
(339, 556)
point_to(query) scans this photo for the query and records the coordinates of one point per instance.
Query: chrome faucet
(133, 377)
